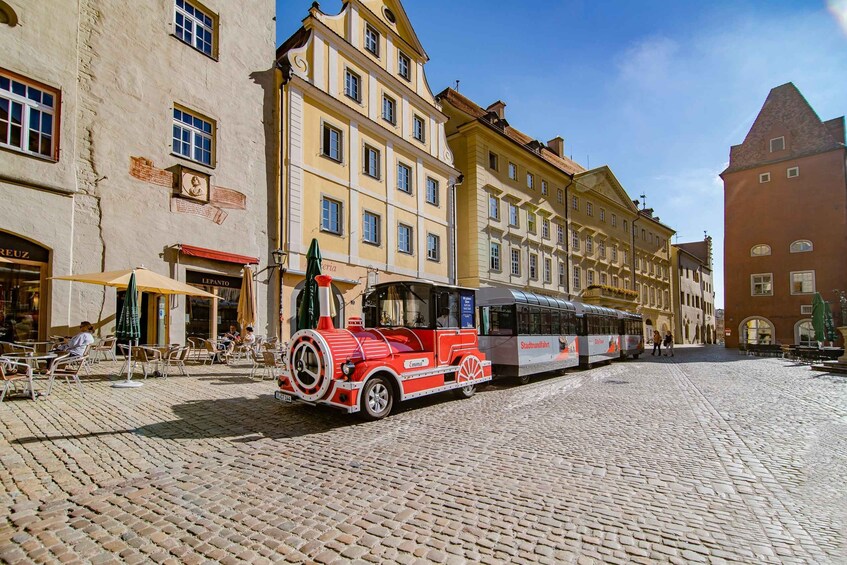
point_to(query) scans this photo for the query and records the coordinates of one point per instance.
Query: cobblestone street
(709, 456)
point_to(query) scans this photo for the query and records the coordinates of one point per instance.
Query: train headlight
(347, 368)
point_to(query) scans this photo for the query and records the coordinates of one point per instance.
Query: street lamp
(278, 256)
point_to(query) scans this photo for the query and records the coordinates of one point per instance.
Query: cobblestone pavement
(707, 457)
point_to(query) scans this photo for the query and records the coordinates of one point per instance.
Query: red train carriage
(423, 340)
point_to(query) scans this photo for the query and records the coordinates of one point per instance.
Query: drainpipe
(568, 240)
(454, 275)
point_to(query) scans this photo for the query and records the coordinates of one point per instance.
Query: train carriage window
(568, 323)
(556, 322)
(534, 320)
(503, 320)
(404, 304)
(447, 309)
(523, 320)
(546, 321)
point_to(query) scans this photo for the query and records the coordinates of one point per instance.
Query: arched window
(7, 15)
(801, 246)
(756, 331)
(804, 333)
(760, 250)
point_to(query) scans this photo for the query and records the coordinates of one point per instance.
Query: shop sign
(727, 332)
(13, 247)
(212, 279)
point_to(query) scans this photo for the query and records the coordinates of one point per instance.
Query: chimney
(325, 321)
(557, 145)
(498, 108)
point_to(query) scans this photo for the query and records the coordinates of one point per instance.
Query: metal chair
(107, 348)
(69, 367)
(266, 361)
(176, 358)
(13, 372)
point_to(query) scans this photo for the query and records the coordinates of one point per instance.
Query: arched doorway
(338, 306)
(804, 333)
(23, 289)
(755, 331)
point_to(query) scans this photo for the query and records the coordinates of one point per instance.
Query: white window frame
(419, 128)
(404, 66)
(764, 177)
(515, 262)
(408, 177)
(589, 209)
(196, 23)
(366, 162)
(494, 256)
(589, 277)
(560, 196)
(513, 171)
(614, 220)
(790, 170)
(770, 144)
(389, 103)
(589, 245)
(327, 151)
(433, 189)
(576, 278)
(433, 247)
(530, 181)
(806, 309)
(603, 215)
(544, 188)
(548, 270)
(560, 234)
(794, 244)
(196, 134)
(562, 274)
(533, 266)
(754, 282)
(377, 228)
(26, 89)
(806, 272)
(494, 206)
(410, 250)
(352, 79)
(530, 221)
(514, 215)
(339, 216)
(493, 159)
(372, 38)
(545, 228)
(764, 246)
(575, 239)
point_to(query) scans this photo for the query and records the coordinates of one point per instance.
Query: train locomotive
(421, 339)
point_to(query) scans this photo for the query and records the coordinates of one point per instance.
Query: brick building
(785, 206)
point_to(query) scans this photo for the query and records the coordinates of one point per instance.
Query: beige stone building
(695, 298)
(128, 141)
(653, 277)
(366, 167)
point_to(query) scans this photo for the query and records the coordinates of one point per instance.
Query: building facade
(366, 167)
(119, 148)
(785, 203)
(652, 273)
(695, 300)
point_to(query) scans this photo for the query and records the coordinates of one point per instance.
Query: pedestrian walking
(657, 343)
(668, 343)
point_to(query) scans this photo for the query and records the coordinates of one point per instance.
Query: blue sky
(656, 90)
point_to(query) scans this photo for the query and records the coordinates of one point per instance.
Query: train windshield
(404, 305)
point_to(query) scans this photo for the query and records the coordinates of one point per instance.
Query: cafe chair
(67, 367)
(14, 372)
(176, 358)
(106, 348)
(266, 362)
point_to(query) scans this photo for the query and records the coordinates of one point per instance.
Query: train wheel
(377, 398)
(524, 379)
(465, 391)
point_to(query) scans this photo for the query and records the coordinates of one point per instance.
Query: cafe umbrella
(129, 328)
(829, 324)
(818, 317)
(309, 309)
(246, 314)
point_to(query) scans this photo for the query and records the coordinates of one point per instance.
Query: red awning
(218, 255)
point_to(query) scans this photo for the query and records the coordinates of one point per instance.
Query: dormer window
(372, 40)
(777, 144)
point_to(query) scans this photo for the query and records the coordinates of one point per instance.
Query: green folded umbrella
(309, 310)
(818, 317)
(129, 328)
(829, 323)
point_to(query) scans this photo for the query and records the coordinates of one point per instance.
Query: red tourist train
(423, 341)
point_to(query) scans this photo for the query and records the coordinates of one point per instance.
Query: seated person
(232, 336)
(443, 320)
(248, 338)
(76, 346)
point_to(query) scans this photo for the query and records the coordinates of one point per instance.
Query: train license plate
(283, 397)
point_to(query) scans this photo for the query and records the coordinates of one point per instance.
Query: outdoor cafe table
(31, 360)
(36, 345)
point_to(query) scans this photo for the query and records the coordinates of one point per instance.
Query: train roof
(424, 282)
(491, 295)
(582, 308)
(623, 315)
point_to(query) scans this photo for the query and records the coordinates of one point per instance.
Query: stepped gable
(490, 118)
(786, 113)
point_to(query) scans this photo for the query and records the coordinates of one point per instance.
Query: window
(603, 215)
(494, 257)
(404, 66)
(27, 118)
(589, 245)
(777, 144)
(560, 196)
(352, 85)
(792, 172)
(418, 128)
(331, 143)
(544, 188)
(626, 257)
(626, 283)
(530, 181)
(806, 309)
(643, 234)
(615, 281)
(761, 284)
(492, 161)
(195, 27)
(575, 240)
(614, 220)
(371, 162)
(589, 277)
(516, 262)
(389, 109)
(548, 270)
(603, 278)
(760, 250)
(493, 208)
(372, 40)
(331, 215)
(533, 266)
(801, 246)
(545, 228)
(764, 177)
(530, 222)
(575, 202)
(371, 228)
(601, 249)
(802, 282)
(561, 273)
(433, 247)
(589, 208)
(576, 279)
(432, 196)
(560, 234)
(614, 254)
(404, 178)
(404, 238)
(625, 225)
(193, 137)
(514, 219)
(513, 171)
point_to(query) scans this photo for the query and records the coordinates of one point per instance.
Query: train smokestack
(325, 321)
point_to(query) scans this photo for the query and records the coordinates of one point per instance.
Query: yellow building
(512, 216)
(366, 168)
(654, 276)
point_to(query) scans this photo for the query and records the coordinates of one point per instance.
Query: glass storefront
(20, 301)
(207, 318)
